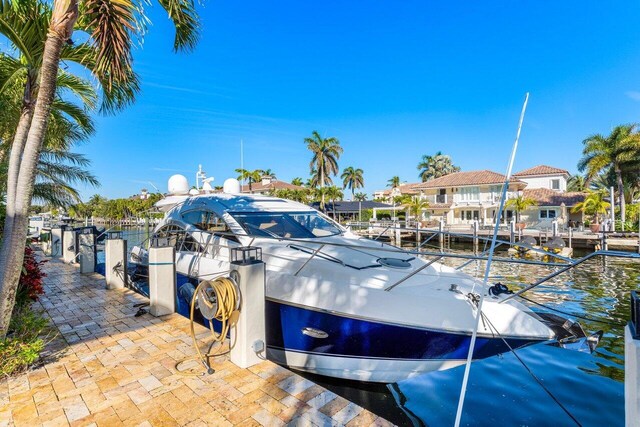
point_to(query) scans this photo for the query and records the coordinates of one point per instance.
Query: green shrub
(25, 340)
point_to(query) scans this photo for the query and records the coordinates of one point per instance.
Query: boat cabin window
(296, 225)
(178, 238)
(206, 221)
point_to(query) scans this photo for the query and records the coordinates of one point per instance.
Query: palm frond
(185, 18)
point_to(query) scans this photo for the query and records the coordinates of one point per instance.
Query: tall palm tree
(297, 181)
(617, 151)
(431, 167)
(113, 27)
(334, 193)
(326, 152)
(394, 182)
(352, 179)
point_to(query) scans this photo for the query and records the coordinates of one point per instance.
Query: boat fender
(498, 289)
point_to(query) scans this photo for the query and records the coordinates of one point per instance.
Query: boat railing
(562, 263)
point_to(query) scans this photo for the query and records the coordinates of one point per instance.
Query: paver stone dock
(107, 367)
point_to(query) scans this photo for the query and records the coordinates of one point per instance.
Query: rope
(224, 308)
(555, 399)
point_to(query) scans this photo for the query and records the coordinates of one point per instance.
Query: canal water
(501, 390)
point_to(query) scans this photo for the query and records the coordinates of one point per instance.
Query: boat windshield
(294, 225)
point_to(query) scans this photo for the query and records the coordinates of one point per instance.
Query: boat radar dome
(194, 192)
(231, 186)
(178, 185)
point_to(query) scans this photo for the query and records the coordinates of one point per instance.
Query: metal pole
(570, 236)
(613, 212)
(474, 335)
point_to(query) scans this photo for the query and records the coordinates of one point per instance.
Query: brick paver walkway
(109, 368)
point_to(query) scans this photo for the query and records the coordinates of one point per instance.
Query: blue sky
(393, 80)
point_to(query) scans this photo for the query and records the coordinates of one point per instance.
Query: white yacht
(338, 304)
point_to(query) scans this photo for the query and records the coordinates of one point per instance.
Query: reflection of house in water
(461, 197)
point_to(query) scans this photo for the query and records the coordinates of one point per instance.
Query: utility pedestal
(248, 336)
(87, 251)
(115, 261)
(162, 280)
(632, 365)
(56, 242)
(69, 246)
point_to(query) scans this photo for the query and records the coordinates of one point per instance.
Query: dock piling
(512, 232)
(162, 280)
(115, 251)
(69, 246)
(632, 364)
(554, 228)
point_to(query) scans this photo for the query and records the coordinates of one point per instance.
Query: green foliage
(594, 205)
(24, 342)
(301, 196)
(324, 163)
(432, 167)
(360, 197)
(352, 179)
(394, 182)
(115, 209)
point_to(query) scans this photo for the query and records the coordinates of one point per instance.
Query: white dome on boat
(193, 192)
(178, 185)
(231, 186)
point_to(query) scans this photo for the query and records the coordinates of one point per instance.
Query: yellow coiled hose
(224, 308)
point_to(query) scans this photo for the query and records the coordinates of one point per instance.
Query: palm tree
(577, 183)
(268, 172)
(297, 181)
(250, 176)
(326, 152)
(113, 28)
(394, 182)
(360, 197)
(352, 179)
(436, 166)
(594, 204)
(617, 151)
(334, 193)
(519, 204)
(416, 205)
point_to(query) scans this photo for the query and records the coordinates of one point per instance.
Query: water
(501, 391)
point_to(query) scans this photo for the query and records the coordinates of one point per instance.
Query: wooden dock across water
(107, 368)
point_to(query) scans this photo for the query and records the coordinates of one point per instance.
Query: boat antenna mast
(498, 218)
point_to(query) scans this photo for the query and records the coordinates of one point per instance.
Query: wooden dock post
(554, 228)
(570, 237)
(441, 234)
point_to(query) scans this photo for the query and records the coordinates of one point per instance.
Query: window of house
(547, 213)
(555, 184)
(469, 215)
(469, 194)
(462, 215)
(476, 215)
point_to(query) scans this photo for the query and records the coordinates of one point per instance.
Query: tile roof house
(462, 197)
(267, 185)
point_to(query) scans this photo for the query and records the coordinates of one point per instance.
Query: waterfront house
(547, 185)
(460, 198)
(268, 184)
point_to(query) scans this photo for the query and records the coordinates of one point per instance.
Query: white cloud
(635, 95)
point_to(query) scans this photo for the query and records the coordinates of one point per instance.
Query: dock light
(245, 255)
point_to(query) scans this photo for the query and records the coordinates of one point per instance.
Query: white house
(462, 197)
(543, 176)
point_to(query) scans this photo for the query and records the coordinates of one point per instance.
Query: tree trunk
(322, 187)
(63, 18)
(15, 157)
(620, 196)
